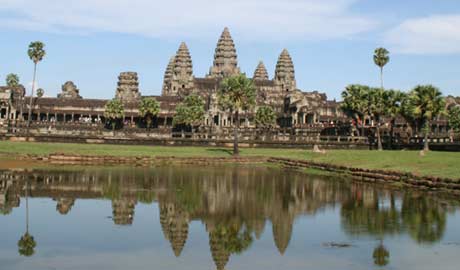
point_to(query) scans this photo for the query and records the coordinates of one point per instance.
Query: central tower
(225, 59)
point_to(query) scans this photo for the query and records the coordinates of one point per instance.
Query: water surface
(232, 217)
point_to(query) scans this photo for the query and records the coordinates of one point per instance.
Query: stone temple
(293, 106)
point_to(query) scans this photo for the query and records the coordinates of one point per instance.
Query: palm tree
(114, 111)
(149, 108)
(393, 102)
(427, 103)
(356, 102)
(36, 53)
(236, 93)
(377, 109)
(381, 255)
(12, 80)
(27, 244)
(381, 58)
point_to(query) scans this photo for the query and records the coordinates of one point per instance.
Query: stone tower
(64, 205)
(128, 87)
(69, 90)
(182, 72)
(261, 73)
(167, 79)
(225, 58)
(174, 224)
(220, 256)
(123, 211)
(284, 73)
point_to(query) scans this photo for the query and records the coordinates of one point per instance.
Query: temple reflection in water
(233, 203)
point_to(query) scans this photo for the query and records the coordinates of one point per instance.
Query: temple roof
(285, 68)
(261, 72)
(168, 76)
(225, 57)
(182, 63)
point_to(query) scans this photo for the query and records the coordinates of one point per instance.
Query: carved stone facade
(69, 90)
(128, 87)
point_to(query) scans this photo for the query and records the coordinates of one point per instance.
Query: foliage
(356, 101)
(427, 102)
(381, 57)
(393, 102)
(190, 112)
(381, 255)
(36, 51)
(26, 245)
(40, 92)
(265, 117)
(233, 238)
(149, 108)
(236, 93)
(12, 80)
(454, 118)
(114, 111)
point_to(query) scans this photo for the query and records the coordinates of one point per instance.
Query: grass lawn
(444, 164)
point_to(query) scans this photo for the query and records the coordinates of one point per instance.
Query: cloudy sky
(330, 41)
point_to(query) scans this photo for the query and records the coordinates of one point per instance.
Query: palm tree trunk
(426, 146)
(379, 138)
(236, 151)
(381, 77)
(27, 207)
(31, 98)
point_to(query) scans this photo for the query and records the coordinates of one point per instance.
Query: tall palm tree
(12, 80)
(427, 103)
(381, 58)
(36, 53)
(236, 93)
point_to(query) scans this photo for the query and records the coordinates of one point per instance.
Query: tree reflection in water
(234, 203)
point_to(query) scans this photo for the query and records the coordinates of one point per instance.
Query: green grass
(443, 164)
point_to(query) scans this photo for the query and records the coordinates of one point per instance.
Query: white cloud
(437, 34)
(252, 19)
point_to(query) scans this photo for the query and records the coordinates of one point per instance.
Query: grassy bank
(441, 164)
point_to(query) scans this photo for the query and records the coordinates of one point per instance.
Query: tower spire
(284, 72)
(225, 57)
(260, 73)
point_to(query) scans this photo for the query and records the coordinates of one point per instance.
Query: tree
(27, 244)
(393, 103)
(454, 118)
(427, 103)
(265, 117)
(356, 103)
(12, 80)
(381, 255)
(40, 92)
(236, 93)
(377, 109)
(190, 112)
(149, 108)
(36, 53)
(114, 111)
(381, 58)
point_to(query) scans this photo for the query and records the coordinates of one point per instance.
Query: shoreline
(378, 176)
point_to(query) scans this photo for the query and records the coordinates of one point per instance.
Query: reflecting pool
(226, 217)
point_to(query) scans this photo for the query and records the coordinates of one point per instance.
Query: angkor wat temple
(293, 106)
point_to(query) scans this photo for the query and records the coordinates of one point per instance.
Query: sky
(331, 42)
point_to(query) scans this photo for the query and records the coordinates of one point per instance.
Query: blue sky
(331, 41)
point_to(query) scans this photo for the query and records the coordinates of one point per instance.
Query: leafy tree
(356, 103)
(12, 80)
(190, 112)
(377, 109)
(149, 108)
(40, 92)
(36, 53)
(427, 104)
(236, 93)
(381, 58)
(381, 255)
(265, 117)
(114, 111)
(454, 118)
(26, 245)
